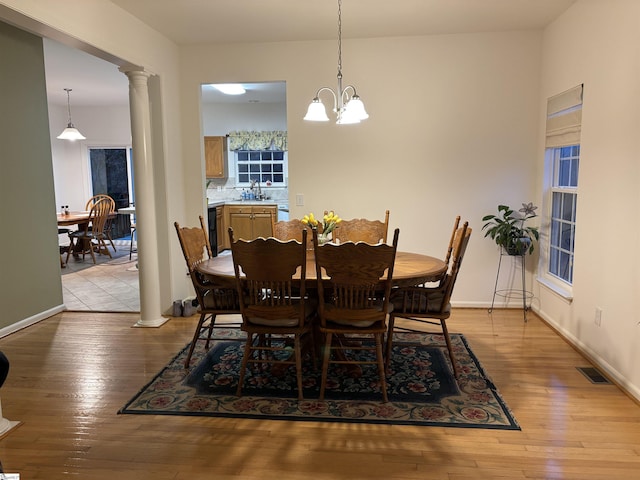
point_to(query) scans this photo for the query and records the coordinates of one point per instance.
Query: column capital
(133, 71)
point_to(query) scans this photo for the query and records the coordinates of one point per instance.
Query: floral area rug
(421, 388)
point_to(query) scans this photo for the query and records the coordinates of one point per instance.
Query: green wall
(29, 264)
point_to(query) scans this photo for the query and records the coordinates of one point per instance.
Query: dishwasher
(213, 230)
(283, 211)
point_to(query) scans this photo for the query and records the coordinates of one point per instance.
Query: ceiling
(222, 21)
(95, 82)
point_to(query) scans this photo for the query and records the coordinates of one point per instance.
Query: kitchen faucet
(253, 185)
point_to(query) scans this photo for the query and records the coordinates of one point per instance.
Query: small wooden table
(409, 269)
(72, 218)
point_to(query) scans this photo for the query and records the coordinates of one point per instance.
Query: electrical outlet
(299, 200)
(598, 317)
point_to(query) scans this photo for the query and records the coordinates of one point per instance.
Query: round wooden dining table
(408, 269)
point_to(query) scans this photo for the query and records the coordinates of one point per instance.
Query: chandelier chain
(339, 37)
(68, 103)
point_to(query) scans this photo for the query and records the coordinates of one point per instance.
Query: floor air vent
(594, 375)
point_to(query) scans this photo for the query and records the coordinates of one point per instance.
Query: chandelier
(346, 102)
(71, 132)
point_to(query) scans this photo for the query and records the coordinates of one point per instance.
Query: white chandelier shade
(71, 132)
(347, 105)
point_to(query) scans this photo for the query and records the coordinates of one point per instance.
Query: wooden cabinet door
(248, 222)
(241, 220)
(262, 221)
(214, 156)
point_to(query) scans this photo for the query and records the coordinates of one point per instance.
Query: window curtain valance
(274, 140)
(564, 118)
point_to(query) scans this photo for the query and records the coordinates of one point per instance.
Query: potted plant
(508, 229)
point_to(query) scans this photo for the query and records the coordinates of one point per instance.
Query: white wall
(222, 118)
(453, 129)
(103, 127)
(596, 43)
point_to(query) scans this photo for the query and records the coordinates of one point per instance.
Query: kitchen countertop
(217, 203)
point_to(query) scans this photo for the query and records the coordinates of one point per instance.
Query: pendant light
(346, 102)
(71, 132)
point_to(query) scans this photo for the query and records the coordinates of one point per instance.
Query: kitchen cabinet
(250, 221)
(215, 156)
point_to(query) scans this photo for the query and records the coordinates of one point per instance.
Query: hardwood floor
(72, 372)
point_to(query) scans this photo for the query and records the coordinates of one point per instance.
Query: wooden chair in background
(290, 230)
(214, 298)
(82, 240)
(362, 230)
(272, 309)
(425, 305)
(108, 224)
(354, 301)
(456, 224)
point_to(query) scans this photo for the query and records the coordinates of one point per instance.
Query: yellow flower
(310, 220)
(329, 221)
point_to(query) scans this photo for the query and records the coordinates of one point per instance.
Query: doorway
(111, 175)
(261, 113)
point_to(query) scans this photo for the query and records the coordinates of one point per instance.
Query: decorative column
(146, 225)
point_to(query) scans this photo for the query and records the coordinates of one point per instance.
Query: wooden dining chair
(106, 232)
(290, 230)
(215, 296)
(273, 302)
(425, 305)
(353, 301)
(82, 240)
(456, 224)
(362, 230)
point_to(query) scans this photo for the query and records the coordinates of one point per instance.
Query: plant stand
(509, 293)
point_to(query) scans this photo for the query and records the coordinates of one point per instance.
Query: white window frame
(263, 183)
(550, 280)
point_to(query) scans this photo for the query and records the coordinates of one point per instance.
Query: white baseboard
(592, 356)
(14, 327)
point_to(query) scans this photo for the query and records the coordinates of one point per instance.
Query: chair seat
(83, 235)
(269, 320)
(428, 301)
(335, 315)
(221, 299)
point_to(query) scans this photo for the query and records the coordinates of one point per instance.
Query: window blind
(564, 118)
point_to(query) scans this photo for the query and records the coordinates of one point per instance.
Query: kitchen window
(264, 166)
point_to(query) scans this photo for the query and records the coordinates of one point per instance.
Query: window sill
(565, 293)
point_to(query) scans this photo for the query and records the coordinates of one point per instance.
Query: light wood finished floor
(71, 373)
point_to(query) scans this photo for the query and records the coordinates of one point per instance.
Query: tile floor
(111, 285)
